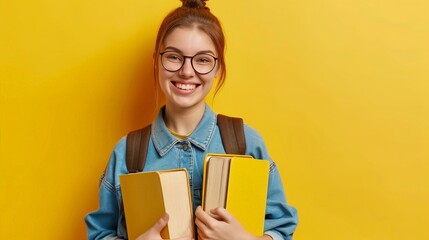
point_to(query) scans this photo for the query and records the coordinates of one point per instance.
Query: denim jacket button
(185, 147)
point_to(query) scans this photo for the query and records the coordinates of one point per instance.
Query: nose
(187, 70)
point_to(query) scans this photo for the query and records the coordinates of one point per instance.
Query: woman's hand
(220, 224)
(154, 233)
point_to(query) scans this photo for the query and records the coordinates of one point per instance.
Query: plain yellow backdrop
(338, 89)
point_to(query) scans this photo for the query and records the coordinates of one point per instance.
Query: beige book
(217, 180)
(240, 185)
(148, 195)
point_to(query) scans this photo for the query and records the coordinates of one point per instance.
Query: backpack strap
(231, 132)
(137, 145)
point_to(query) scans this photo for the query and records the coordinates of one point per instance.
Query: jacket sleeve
(103, 222)
(281, 219)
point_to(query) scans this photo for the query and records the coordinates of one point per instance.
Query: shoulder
(252, 133)
(116, 164)
(121, 144)
(255, 144)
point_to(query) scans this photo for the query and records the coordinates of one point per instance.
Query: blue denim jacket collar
(163, 140)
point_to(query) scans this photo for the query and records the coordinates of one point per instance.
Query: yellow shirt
(179, 136)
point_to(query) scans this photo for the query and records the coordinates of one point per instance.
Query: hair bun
(194, 3)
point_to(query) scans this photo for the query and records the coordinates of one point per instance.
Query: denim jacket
(167, 152)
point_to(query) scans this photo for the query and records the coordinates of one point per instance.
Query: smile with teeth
(187, 86)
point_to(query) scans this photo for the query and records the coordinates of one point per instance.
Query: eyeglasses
(202, 63)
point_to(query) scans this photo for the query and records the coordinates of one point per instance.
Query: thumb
(162, 222)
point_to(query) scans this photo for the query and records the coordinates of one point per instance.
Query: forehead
(189, 40)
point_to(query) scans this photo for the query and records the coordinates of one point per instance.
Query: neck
(183, 121)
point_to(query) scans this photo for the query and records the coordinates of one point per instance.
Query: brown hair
(194, 13)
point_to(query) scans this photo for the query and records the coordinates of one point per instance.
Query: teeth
(185, 86)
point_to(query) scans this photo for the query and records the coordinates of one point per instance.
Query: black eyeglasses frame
(192, 64)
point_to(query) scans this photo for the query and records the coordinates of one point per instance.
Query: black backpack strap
(137, 145)
(232, 134)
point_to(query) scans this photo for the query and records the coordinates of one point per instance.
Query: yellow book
(240, 185)
(148, 195)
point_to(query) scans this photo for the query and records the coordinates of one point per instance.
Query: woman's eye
(203, 60)
(174, 57)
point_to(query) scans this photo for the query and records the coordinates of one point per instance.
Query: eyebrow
(179, 51)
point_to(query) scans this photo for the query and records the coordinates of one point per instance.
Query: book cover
(240, 185)
(148, 195)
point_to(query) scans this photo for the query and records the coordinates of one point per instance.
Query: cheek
(164, 76)
(208, 80)
(162, 80)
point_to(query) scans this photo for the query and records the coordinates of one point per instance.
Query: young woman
(189, 55)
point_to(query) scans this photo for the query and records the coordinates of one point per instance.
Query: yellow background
(338, 89)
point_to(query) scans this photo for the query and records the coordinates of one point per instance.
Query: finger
(222, 214)
(161, 223)
(202, 216)
(202, 229)
(215, 216)
(201, 234)
(200, 225)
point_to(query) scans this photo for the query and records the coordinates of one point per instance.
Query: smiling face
(185, 88)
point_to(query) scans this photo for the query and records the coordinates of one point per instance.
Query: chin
(187, 104)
